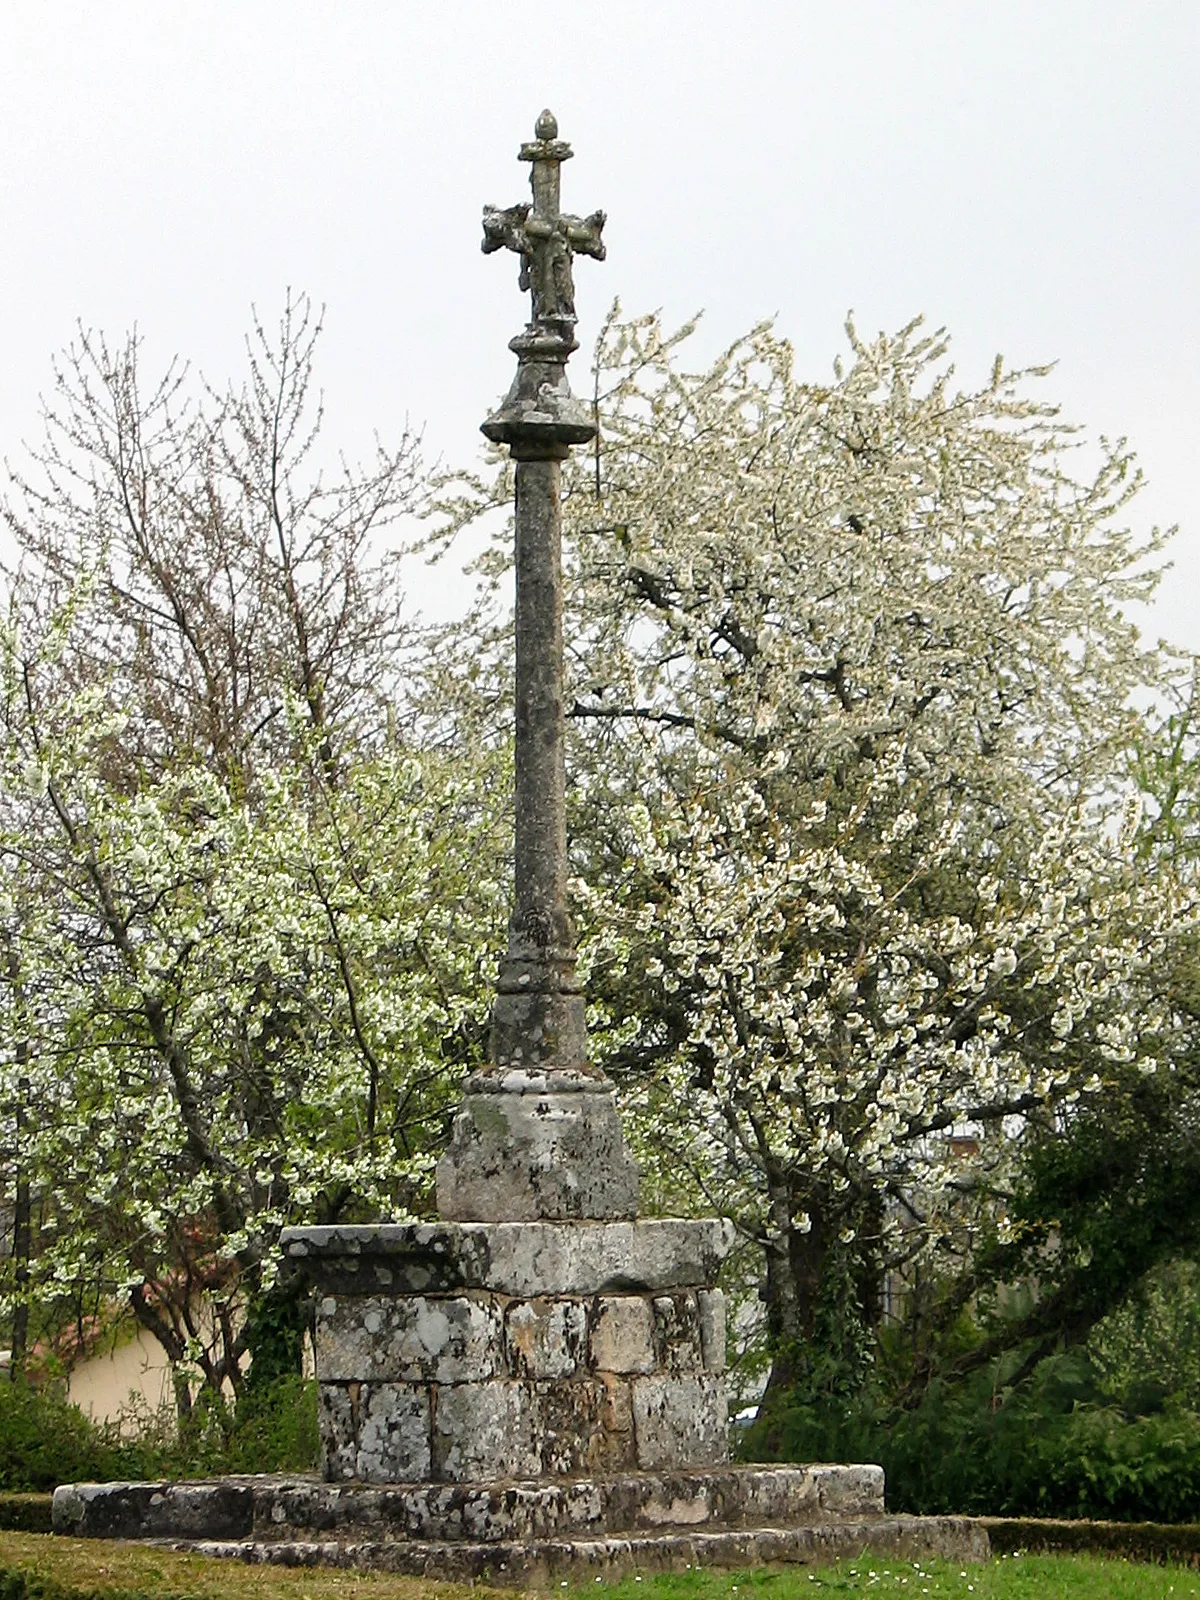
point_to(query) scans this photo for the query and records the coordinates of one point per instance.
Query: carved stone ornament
(545, 238)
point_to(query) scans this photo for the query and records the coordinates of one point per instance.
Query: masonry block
(622, 1337)
(444, 1339)
(584, 1426)
(375, 1432)
(677, 1333)
(710, 1306)
(483, 1431)
(680, 1421)
(545, 1338)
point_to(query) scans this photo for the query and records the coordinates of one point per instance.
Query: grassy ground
(38, 1567)
(60, 1568)
(1005, 1578)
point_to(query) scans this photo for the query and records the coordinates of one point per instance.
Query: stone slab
(299, 1508)
(526, 1259)
(543, 1563)
(219, 1510)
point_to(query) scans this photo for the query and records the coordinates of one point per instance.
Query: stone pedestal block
(525, 1147)
(530, 1350)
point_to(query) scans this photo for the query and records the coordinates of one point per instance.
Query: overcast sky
(1022, 171)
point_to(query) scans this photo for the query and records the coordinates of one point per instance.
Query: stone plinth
(466, 1352)
(628, 1503)
(534, 1532)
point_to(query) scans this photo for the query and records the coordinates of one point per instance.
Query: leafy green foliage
(1147, 1349)
(1056, 1445)
(276, 1324)
(45, 1440)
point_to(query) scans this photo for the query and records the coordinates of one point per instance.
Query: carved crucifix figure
(538, 1133)
(543, 237)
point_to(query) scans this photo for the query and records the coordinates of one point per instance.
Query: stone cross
(538, 1333)
(538, 1133)
(541, 235)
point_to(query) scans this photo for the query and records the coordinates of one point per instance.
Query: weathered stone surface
(277, 1506)
(545, 1338)
(516, 1258)
(584, 1426)
(677, 1333)
(613, 1448)
(622, 1337)
(483, 1431)
(544, 1258)
(543, 1562)
(154, 1510)
(710, 1305)
(545, 241)
(680, 1421)
(845, 1491)
(396, 1258)
(375, 1432)
(448, 1340)
(619, 1501)
(523, 1155)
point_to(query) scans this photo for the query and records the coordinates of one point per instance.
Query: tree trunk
(795, 1260)
(22, 1243)
(805, 1309)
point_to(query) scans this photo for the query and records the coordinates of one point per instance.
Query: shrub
(1051, 1447)
(45, 1440)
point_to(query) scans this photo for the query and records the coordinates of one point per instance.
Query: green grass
(40, 1567)
(44, 1567)
(1005, 1578)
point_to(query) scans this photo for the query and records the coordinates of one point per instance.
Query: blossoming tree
(853, 698)
(244, 918)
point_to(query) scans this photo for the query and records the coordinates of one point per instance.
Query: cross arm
(584, 234)
(505, 229)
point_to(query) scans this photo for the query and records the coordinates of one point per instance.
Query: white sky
(1023, 171)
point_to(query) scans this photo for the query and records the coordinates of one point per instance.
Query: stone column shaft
(539, 913)
(538, 1019)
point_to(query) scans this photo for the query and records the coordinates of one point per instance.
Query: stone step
(303, 1509)
(542, 1562)
(570, 1508)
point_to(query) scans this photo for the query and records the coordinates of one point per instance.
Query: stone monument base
(471, 1351)
(521, 1403)
(524, 1533)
